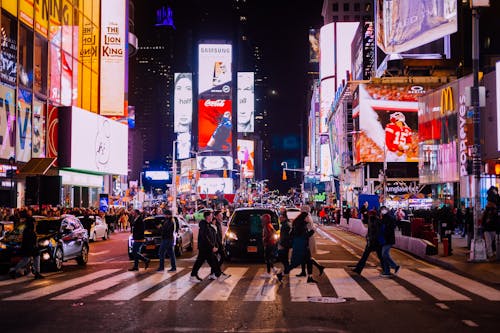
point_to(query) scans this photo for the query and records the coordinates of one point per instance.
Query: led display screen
(157, 175)
(327, 54)
(112, 55)
(8, 48)
(497, 75)
(214, 100)
(325, 159)
(7, 121)
(246, 157)
(38, 135)
(313, 45)
(327, 95)
(183, 145)
(183, 102)
(246, 102)
(205, 163)
(23, 125)
(406, 24)
(215, 185)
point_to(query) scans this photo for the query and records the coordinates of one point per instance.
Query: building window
(335, 18)
(335, 7)
(346, 7)
(357, 7)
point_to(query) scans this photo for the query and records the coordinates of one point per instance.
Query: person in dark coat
(372, 243)
(168, 229)
(389, 239)
(220, 255)
(29, 249)
(138, 237)
(285, 242)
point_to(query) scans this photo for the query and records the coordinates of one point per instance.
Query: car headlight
(276, 236)
(3, 246)
(44, 243)
(231, 235)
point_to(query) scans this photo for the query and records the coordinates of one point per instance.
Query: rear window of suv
(252, 219)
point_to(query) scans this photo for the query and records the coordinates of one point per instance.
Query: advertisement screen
(215, 185)
(214, 100)
(183, 145)
(388, 123)
(8, 48)
(113, 57)
(98, 143)
(406, 24)
(183, 102)
(39, 111)
(7, 121)
(498, 101)
(327, 95)
(246, 157)
(23, 125)
(327, 54)
(205, 163)
(52, 131)
(325, 159)
(345, 36)
(246, 102)
(313, 45)
(157, 175)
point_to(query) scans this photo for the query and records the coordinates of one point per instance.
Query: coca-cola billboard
(215, 97)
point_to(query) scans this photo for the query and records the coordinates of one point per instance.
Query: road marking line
(26, 278)
(53, 288)
(220, 291)
(433, 288)
(98, 253)
(95, 287)
(176, 289)
(345, 286)
(442, 306)
(388, 287)
(326, 235)
(137, 288)
(472, 286)
(261, 289)
(470, 323)
(300, 290)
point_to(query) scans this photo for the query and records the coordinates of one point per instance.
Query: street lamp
(174, 179)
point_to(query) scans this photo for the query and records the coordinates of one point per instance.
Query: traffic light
(284, 175)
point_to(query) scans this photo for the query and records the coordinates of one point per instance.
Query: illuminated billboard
(313, 45)
(38, 135)
(246, 157)
(325, 159)
(183, 102)
(388, 123)
(246, 102)
(183, 145)
(23, 125)
(327, 54)
(406, 24)
(214, 100)
(215, 185)
(205, 163)
(497, 75)
(7, 117)
(156, 175)
(112, 56)
(327, 96)
(91, 142)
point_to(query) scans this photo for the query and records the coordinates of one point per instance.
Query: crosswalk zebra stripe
(220, 291)
(300, 290)
(137, 288)
(176, 289)
(345, 286)
(95, 287)
(25, 278)
(472, 286)
(53, 288)
(388, 287)
(261, 289)
(433, 288)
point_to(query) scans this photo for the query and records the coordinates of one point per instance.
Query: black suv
(243, 237)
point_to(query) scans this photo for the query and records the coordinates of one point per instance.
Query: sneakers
(280, 277)
(39, 276)
(357, 271)
(311, 280)
(133, 269)
(384, 275)
(160, 269)
(302, 274)
(321, 270)
(212, 276)
(223, 277)
(396, 270)
(172, 270)
(195, 279)
(146, 264)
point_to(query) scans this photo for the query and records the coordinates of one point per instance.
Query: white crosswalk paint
(345, 286)
(388, 287)
(137, 288)
(56, 287)
(177, 288)
(300, 290)
(220, 291)
(433, 288)
(26, 278)
(261, 289)
(95, 287)
(472, 286)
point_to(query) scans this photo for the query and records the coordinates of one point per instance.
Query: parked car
(243, 237)
(61, 239)
(152, 235)
(198, 215)
(96, 227)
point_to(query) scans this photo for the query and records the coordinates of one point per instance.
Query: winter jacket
(388, 227)
(138, 229)
(168, 229)
(207, 236)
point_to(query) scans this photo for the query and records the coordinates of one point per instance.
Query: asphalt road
(105, 297)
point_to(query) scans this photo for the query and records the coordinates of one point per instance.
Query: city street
(105, 296)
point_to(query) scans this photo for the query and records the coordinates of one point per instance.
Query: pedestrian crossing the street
(249, 284)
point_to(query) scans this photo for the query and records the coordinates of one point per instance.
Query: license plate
(252, 249)
(150, 247)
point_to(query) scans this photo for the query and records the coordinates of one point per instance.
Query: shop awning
(37, 166)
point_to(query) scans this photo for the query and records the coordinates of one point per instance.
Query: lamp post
(174, 179)
(12, 161)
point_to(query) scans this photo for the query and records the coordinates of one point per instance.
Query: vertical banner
(23, 125)
(52, 131)
(38, 135)
(246, 157)
(112, 58)
(214, 100)
(246, 102)
(7, 121)
(183, 113)
(8, 50)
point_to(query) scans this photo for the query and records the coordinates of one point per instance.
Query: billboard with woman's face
(183, 102)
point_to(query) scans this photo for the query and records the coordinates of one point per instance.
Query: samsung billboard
(214, 99)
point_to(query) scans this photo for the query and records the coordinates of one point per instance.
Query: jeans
(489, 238)
(136, 253)
(25, 261)
(387, 262)
(167, 247)
(362, 261)
(206, 255)
(283, 258)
